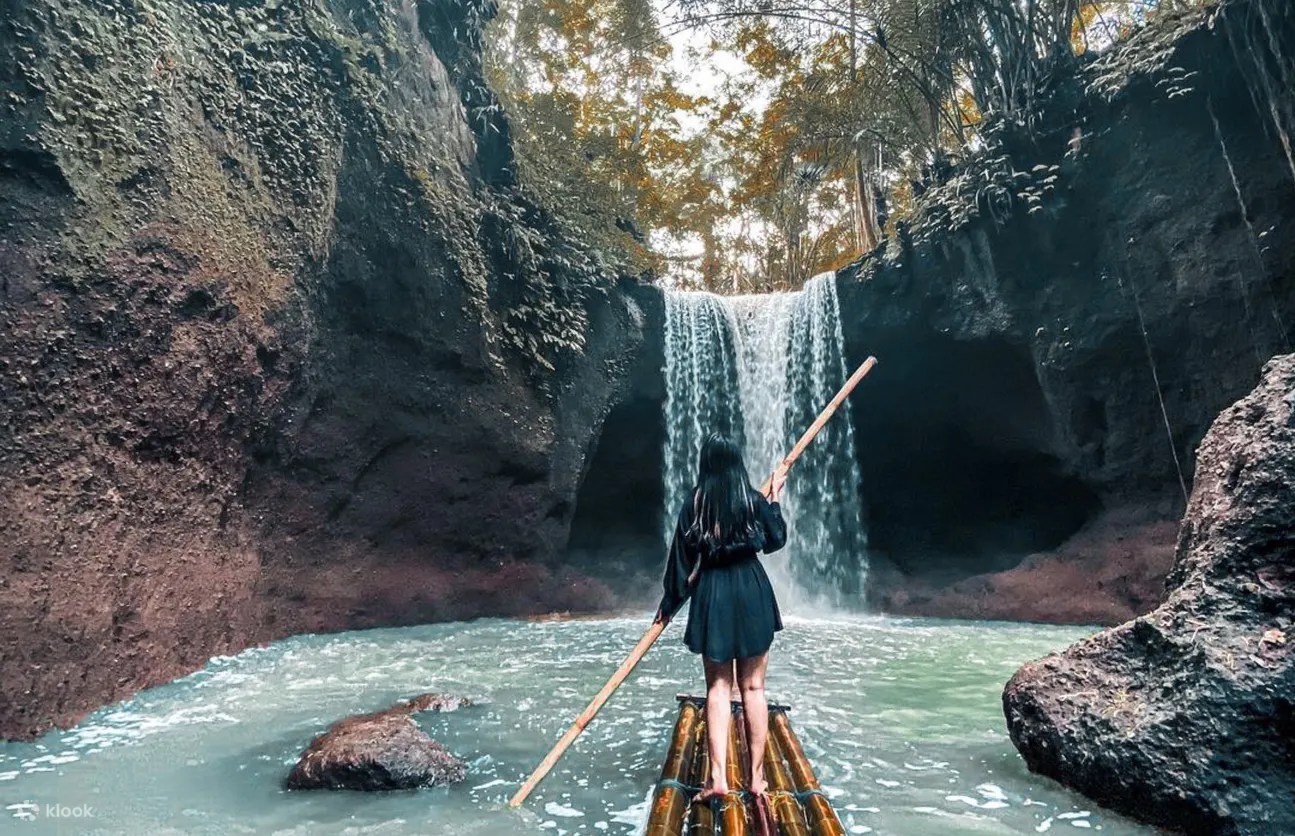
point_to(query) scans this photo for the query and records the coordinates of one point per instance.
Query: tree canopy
(745, 145)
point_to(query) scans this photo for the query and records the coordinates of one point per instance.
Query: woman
(723, 525)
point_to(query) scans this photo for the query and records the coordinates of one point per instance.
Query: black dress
(734, 613)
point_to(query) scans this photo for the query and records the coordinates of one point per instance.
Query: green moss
(226, 125)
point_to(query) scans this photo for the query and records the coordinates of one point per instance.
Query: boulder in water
(385, 750)
(1185, 717)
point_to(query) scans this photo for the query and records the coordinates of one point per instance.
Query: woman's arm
(775, 527)
(680, 567)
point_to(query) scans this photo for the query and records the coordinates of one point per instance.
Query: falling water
(780, 358)
(701, 387)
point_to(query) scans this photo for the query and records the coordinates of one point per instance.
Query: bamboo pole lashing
(654, 631)
(822, 818)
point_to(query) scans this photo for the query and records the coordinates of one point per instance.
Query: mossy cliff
(1065, 316)
(284, 346)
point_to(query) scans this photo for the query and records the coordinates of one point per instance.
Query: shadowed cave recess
(616, 530)
(955, 449)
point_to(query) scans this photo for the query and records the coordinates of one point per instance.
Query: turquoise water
(901, 717)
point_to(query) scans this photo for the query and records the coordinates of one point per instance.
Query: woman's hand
(661, 617)
(776, 485)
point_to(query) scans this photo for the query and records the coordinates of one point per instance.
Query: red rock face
(1112, 570)
(126, 557)
(1184, 717)
(251, 378)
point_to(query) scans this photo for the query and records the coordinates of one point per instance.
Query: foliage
(586, 127)
(547, 278)
(991, 188)
(812, 128)
(529, 272)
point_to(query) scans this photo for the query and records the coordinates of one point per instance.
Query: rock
(1112, 570)
(1030, 363)
(1185, 717)
(258, 380)
(385, 750)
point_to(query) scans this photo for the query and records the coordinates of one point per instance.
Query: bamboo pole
(702, 821)
(738, 730)
(654, 632)
(761, 814)
(732, 811)
(822, 818)
(697, 740)
(670, 800)
(782, 793)
(821, 421)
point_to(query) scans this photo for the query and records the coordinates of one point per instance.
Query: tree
(788, 165)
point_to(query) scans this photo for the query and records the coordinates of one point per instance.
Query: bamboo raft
(796, 800)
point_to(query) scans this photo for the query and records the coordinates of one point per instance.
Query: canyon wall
(1061, 322)
(277, 342)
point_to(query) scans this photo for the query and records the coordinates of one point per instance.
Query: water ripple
(901, 717)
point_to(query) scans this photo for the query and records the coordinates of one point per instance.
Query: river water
(901, 718)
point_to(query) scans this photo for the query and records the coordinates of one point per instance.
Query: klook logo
(30, 810)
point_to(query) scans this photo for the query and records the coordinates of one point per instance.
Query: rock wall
(1064, 318)
(1185, 717)
(264, 367)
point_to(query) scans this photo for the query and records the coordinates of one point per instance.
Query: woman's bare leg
(755, 709)
(719, 714)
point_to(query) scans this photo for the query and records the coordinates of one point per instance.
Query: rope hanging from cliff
(1254, 240)
(1155, 377)
(654, 632)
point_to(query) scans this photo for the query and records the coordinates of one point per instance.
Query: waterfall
(760, 368)
(702, 390)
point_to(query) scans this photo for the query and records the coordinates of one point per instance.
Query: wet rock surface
(385, 750)
(1053, 362)
(1185, 717)
(264, 367)
(1112, 570)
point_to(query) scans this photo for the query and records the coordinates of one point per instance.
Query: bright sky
(702, 71)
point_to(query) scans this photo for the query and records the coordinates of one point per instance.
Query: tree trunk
(867, 231)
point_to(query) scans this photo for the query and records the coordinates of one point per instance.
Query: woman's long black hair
(723, 505)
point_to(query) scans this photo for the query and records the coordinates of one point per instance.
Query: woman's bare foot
(715, 790)
(758, 785)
